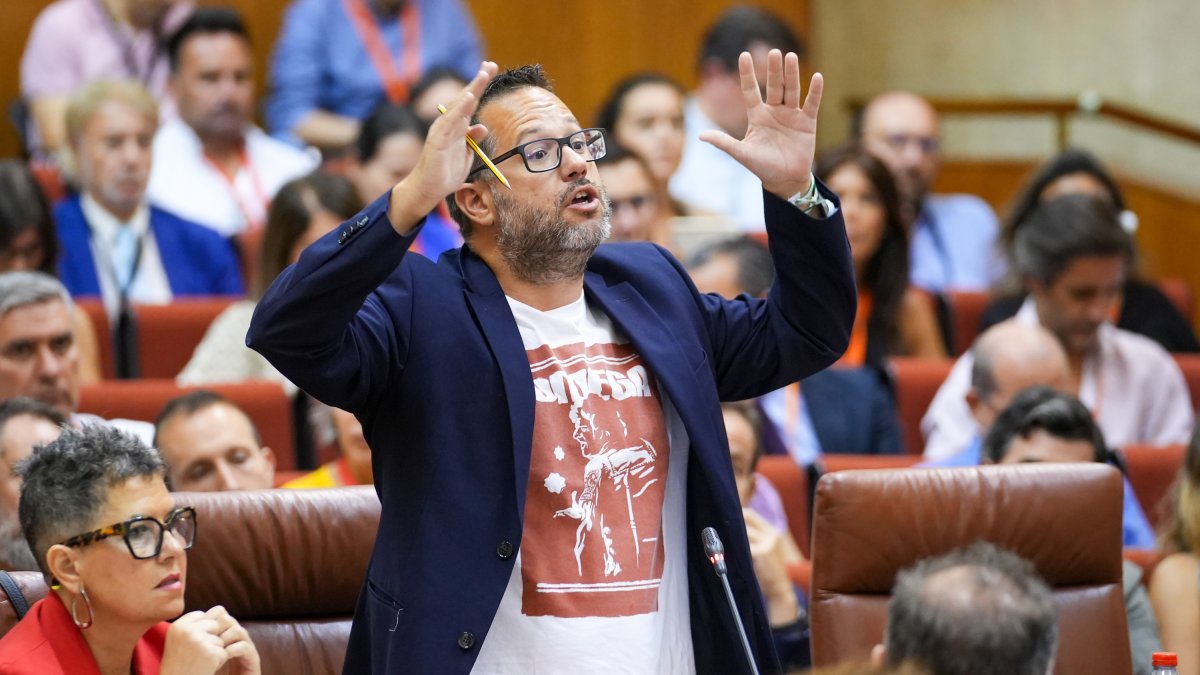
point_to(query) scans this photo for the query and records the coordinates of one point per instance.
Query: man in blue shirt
(953, 237)
(337, 60)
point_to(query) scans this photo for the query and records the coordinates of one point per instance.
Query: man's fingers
(722, 140)
(791, 80)
(751, 96)
(775, 81)
(465, 102)
(812, 102)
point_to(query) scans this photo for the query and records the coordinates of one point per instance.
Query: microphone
(715, 550)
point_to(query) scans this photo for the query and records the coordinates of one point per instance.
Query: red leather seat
(1190, 365)
(917, 381)
(966, 310)
(167, 335)
(1065, 519)
(264, 402)
(1152, 471)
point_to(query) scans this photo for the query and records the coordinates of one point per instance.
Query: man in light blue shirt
(952, 237)
(336, 60)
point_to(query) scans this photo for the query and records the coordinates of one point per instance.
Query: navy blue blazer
(852, 412)
(430, 359)
(197, 260)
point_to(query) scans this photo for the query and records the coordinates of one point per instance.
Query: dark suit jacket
(852, 412)
(430, 359)
(197, 260)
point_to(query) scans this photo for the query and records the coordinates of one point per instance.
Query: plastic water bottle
(1164, 663)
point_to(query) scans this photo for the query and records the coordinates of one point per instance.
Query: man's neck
(123, 214)
(712, 110)
(118, 10)
(1075, 363)
(225, 152)
(542, 297)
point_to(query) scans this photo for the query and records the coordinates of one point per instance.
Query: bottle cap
(1164, 659)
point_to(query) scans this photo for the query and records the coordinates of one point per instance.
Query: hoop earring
(83, 625)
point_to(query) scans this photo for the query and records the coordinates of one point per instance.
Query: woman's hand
(205, 643)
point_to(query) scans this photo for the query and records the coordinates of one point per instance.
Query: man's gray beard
(539, 246)
(15, 553)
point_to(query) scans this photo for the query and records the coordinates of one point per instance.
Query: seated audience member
(337, 60)
(38, 354)
(388, 148)
(438, 86)
(24, 423)
(835, 411)
(353, 467)
(952, 237)
(212, 165)
(893, 319)
(707, 177)
(210, 445)
(979, 610)
(1042, 425)
(1144, 308)
(28, 242)
(1006, 359)
(1175, 584)
(107, 533)
(637, 207)
(116, 244)
(304, 210)
(1073, 257)
(771, 543)
(644, 115)
(74, 42)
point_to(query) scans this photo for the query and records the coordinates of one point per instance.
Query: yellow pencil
(486, 162)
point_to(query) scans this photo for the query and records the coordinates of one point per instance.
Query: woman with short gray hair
(113, 545)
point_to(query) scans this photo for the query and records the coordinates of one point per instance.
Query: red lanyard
(395, 85)
(254, 213)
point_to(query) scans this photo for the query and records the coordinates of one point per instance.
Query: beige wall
(1143, 54)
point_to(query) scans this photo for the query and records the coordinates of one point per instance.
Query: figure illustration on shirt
(618, 464)
(592, 543)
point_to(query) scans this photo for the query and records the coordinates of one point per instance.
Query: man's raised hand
(445, 158)
(781, 136)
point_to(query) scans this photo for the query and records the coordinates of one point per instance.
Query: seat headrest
(1064, 518)
(269, 554)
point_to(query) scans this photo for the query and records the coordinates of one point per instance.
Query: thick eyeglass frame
(559, 143)
(122, 530)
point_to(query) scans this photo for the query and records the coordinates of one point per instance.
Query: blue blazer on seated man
(194, 260)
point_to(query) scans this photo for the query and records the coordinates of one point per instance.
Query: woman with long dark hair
(893, 319)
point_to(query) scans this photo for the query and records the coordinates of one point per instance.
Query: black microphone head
(712, 542)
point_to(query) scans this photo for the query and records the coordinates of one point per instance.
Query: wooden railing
(1063, 110)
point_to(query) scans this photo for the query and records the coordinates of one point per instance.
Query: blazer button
(466, 640)
(504, 550)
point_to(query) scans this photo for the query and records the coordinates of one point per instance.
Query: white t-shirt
(600, 583)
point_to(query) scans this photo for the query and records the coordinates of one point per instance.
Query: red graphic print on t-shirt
(592, 544)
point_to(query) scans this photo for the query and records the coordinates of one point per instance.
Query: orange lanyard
(856, 352)
(395, 85)
(255, 212)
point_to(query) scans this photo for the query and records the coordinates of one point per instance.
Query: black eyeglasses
(144, 534)
(545, 154)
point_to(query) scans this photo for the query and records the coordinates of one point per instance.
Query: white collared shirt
(150, 284)
(708, 178)
(185, 182)
(1133, 387)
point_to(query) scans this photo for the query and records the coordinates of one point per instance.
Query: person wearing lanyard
(952, 237)
(74, 42)
(212, 165)
(337, 60)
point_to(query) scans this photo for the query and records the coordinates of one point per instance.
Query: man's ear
(475, 201)
(879, 657)
(64, 565)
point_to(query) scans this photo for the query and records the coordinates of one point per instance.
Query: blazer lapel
(656, 343)
(499, 328)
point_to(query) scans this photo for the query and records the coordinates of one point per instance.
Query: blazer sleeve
(327, 324)
(804, 324)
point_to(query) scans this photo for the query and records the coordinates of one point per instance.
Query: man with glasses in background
(952, 238)
(544, 411)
